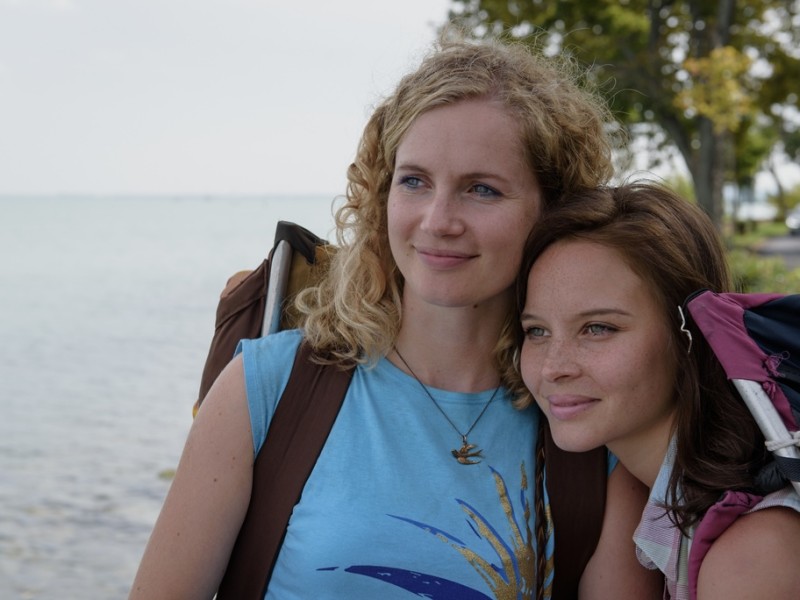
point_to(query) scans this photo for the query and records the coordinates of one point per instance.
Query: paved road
(786, 247)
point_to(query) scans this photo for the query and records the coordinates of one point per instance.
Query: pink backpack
(756, 338)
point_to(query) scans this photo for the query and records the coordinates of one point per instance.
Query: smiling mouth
(564, 409)
(442, 252)
(443, 259)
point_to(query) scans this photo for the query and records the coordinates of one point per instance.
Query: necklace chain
(468, 452)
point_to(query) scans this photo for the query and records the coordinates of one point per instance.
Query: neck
(450, 348)
(644, 455)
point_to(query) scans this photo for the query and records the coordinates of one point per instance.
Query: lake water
(106, 312)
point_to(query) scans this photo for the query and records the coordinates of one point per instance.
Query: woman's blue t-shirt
(387, 511)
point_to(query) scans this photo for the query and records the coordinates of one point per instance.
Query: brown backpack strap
(296, 435)
(576, 484)
(241, 307)
(240, 313)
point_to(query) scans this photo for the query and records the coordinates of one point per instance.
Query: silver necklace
(468, 454)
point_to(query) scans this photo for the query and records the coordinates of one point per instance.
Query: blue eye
(411, 182)
(599, 329)
(484, 190)
(534, 332)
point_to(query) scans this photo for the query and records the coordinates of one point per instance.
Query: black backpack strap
(296, 435)
(576, 485)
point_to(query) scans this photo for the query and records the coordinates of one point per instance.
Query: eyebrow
(474, 175)
(408, 167)
(594, 312)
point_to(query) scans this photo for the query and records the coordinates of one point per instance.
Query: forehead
(573, 274)
(478, 122)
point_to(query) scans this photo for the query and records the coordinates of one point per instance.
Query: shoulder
(616, 551)
(270, 357)
(225, 399)
(757, 555)
(274, 342)
(266, 365)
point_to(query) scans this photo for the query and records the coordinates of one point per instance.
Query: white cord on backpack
(792, 440)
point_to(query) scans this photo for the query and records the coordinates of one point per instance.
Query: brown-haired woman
(606, 356)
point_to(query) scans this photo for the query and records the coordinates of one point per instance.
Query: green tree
(700, 76)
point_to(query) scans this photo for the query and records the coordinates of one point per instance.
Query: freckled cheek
(398, 212)
(648, 376)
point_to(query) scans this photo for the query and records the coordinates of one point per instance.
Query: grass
(755, 234)
(753, 272)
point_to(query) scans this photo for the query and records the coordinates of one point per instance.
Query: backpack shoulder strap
(721, 515)
(240, 313)
(296, 435)
(576, 483)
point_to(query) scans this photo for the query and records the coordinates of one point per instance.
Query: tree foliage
(715, 80)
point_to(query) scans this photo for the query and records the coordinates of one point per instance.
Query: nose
(559, 361)
(442, 214)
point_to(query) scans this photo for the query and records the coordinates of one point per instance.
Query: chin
(573, 441)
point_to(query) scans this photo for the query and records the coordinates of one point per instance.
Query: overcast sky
(196, 96)
(199, 96)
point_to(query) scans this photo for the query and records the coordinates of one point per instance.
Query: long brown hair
(674, 247)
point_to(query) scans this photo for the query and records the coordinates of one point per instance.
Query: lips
(566, 407)
(442, 259)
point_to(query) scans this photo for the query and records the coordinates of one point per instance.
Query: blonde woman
(426, 484)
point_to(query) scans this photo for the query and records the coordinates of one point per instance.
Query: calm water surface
(106, 312)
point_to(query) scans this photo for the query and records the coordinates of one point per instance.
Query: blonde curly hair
(354, 314)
